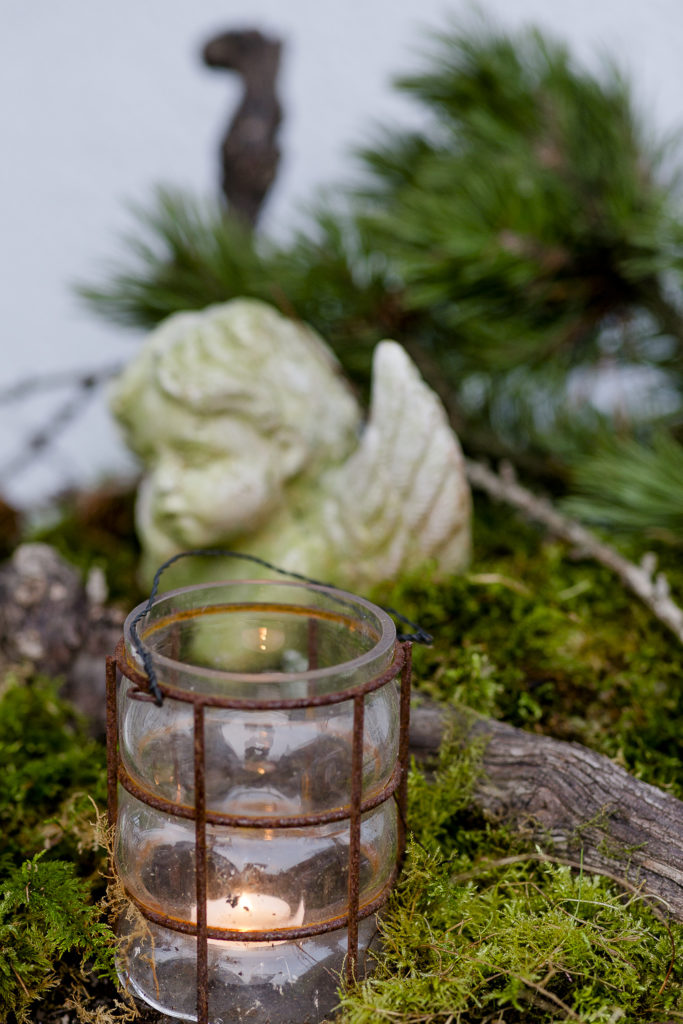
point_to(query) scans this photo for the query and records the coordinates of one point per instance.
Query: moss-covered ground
(555, 644)
(482, 929)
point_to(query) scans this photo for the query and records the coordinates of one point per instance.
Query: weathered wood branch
(652, 588)
(574, 802)
(249, 152)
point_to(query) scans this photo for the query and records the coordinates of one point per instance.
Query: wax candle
(250, 912)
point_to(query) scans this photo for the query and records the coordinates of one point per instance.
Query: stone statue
(251, 439)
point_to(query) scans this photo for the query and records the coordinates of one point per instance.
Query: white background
(102, 100)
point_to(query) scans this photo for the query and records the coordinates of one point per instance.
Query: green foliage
(529, 227)
(189, 254)
(547, 643)
(50, 929)
(515, 221)
(192, 256)
(50, 769)
(481, 930)
(632, 486)
(436, 803)
(45, 915)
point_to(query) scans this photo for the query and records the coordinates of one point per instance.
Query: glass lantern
(259, 806)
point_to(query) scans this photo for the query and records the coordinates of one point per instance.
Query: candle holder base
(283, 982)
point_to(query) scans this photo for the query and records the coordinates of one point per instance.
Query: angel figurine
(252, 440)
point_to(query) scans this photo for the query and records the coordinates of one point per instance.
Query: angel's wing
(402, 498)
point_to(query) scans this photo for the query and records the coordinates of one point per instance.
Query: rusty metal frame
(395, 788)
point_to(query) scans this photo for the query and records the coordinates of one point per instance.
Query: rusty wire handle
(420, 636)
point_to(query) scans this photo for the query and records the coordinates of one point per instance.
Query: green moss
(52, 772)
(481, 930)
(552, 644)
(46, 917)
(51, 930)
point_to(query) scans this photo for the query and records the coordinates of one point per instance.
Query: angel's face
(211, 478)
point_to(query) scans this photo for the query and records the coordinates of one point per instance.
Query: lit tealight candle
(251, 912)
(263, 638)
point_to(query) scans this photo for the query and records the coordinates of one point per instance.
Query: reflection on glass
(294, 642)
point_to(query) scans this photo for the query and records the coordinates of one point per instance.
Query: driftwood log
(576, 804)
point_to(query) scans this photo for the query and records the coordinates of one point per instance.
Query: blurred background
(100, 103)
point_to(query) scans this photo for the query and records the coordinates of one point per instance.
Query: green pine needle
(530, 222)
(632, 486)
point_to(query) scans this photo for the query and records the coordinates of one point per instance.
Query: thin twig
(571, 1015)
(20, 980)
(82, 388)
(496, 578)
(653, 590)
(59, 379)
(672, 962)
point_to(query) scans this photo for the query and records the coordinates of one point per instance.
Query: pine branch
(531, 215)
(185, 254)
(653, 590)
(632, 486)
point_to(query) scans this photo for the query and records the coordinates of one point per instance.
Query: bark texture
(575, 803)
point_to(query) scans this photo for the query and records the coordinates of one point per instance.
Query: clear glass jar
(244, 642)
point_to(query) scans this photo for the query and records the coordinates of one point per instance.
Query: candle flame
(262, 637)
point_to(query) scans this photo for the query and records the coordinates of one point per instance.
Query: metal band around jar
(274, 934)
(267, 821)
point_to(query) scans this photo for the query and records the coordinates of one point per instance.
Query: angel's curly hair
(241, 357)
